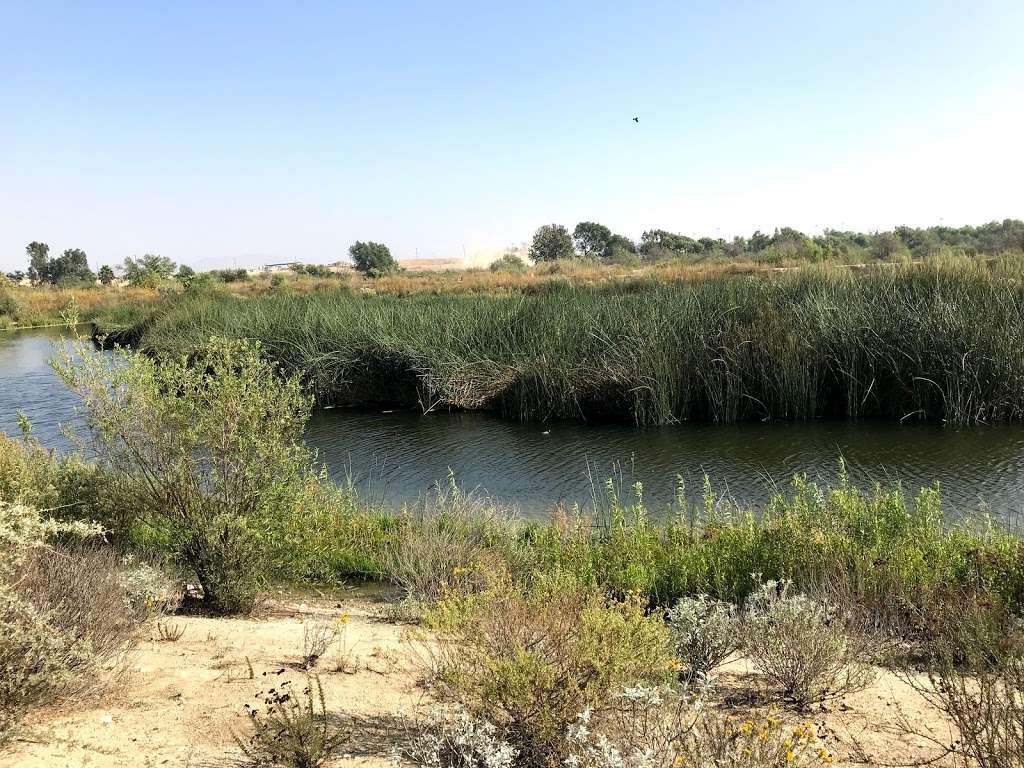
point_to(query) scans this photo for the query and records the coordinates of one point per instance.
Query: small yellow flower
(790, 757)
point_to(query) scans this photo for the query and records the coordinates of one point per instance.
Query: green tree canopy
(591, 239)
(148, 268)
(372, 259)
(38, 262)
(72, 266)
(550, 243)
(106, 274)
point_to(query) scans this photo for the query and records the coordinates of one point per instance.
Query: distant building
(283, 266)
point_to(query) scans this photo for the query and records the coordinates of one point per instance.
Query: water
(396, 457)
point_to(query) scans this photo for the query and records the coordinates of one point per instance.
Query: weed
(170, 633)
(291, 729)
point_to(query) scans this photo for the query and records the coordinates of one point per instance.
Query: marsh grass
(937, 341)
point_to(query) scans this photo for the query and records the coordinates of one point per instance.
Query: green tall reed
(941, 341)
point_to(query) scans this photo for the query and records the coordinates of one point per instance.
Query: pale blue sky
(220, 133)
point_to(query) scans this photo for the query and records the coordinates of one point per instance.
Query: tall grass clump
(938, 341)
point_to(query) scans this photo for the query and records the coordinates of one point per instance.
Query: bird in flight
(636, 119)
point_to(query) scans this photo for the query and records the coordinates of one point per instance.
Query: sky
(226, 133)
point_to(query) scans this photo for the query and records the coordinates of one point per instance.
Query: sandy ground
(182, 701)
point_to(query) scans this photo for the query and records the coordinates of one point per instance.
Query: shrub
(210, 465)
(291, 730)
(80, 591)
(458, 740)
(451, 545)
(48, 614)
(9, 306)
(705, 631)
(803, 645)
(649, 728)
(36, 660)
(529, 658)
(987, 707)
(509, 262)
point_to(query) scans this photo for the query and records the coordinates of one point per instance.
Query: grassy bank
(936, 341)
(23, 306)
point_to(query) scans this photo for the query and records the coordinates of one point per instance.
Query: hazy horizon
(228, 135)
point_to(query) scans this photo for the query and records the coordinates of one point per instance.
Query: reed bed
(939, 341)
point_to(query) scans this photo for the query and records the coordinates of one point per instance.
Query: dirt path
(182, 700)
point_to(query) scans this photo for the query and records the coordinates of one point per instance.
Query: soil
(180, 702)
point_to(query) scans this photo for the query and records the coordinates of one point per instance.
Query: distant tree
(591, 239)
(759, 241)
(16, 276)
(887, 246)
(620, 250)
(550, 243)
(150, 268)
(372, 259)
(72, 266)
(106, 275)
(317, 270)
(38, 262)
(230, 275)
(185, 274)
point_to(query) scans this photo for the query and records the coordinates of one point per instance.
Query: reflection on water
(397, 457)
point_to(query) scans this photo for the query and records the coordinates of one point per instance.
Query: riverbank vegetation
(550, 635)
(937, 341)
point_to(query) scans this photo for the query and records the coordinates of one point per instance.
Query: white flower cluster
(461, 741)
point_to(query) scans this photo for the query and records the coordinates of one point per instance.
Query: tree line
(72, 267)
(591, 240)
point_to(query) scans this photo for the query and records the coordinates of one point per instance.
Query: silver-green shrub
(705, 631)
(803, 644)
(37, 656)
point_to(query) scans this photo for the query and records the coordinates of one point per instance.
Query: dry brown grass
(42, 305)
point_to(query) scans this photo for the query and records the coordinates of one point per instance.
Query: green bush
(530, 658)
(509, 262)
(210, 466)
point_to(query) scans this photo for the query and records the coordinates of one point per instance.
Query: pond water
(396, 457)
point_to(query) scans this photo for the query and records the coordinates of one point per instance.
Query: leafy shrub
(212, 465)
(36, 660)
(291, 730)
(705, 631)
(529, 658)
(508, 262)
(9, 306)
(803, 645)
